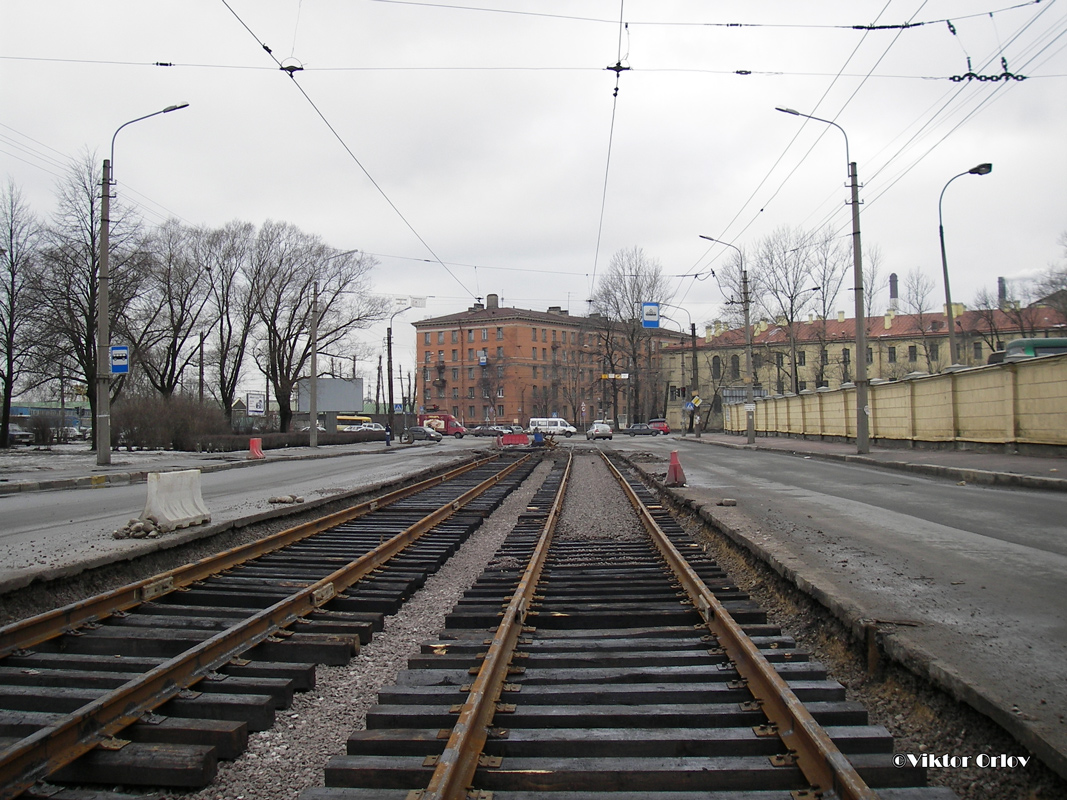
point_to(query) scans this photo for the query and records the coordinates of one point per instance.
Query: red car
(660, 425)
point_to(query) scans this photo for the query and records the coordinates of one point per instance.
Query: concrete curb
(894, 645)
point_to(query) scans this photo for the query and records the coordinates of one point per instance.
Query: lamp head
(981, 169)
(177, 107)
(788, 111)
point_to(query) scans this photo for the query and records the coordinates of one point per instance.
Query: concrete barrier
(255, 448)
(174, 500)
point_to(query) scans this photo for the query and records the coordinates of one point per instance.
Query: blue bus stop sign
(120, 360)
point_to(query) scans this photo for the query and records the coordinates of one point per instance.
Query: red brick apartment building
(505, 365)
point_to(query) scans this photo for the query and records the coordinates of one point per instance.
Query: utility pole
(696, 373)
(750, 393)
(863, 410)
(313, 405)
(103, 334)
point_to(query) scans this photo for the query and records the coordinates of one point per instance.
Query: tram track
(151, 683)
(606, 667)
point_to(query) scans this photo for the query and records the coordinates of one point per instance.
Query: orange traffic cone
(675, 476)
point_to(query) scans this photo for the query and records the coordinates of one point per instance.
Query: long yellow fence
(1020, 403)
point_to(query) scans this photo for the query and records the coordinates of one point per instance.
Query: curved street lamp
(950, 319)
(862, 410)
(750, 394)
(103, 332)
(389, 360)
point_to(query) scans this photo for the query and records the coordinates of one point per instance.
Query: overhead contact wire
(292, 76)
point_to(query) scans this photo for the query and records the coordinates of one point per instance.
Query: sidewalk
(1000, 469)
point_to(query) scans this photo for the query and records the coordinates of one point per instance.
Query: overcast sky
(480, 136)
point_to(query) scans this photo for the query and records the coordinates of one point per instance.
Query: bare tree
(21, 237)
(782, 281)
(64, 281)
(918, 288)
(1051, 285)
(287, 265)
(226, 255)
(632, 278)
(166, 317)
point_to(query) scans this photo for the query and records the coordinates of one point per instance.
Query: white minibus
(554, 426)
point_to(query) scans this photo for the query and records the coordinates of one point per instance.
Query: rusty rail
(824, 766)
(456, 766)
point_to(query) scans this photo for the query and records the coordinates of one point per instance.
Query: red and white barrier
(174, 500)
(255, 449)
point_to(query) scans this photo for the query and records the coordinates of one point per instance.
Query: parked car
(374, 426)
(598, 430)
(488, 430)
(73, 434)
(421, 432)
(16, 434)
(660, 425)
(641, 429)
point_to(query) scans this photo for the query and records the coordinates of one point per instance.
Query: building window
(534, 332)
(500, 352)
(779, 361)
(977, 351)
(455, 336)
(913, 353)
(533, 353)
(440, 337)
(455, 355)
(485, 334)
(553, 336)
(500, 411)
(429, 356)
(426, 337)
(846, 356)
(757, 360)
(870, 355)
(441, 393)
(470, 335)
(470, 412)
(455, 411)
(892, 355)
(544, 335)
(470, 373)
(500, 370)
(544, 354)
(455, 392)
(470, 393)
(802, 386)
(824, 356)
(716, 368)
(802, 358)
(534, 371)
(735, 367)
(934, 351)
(500, 334)
(500, 391)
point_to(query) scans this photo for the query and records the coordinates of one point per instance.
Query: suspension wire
(291, 71)
(618, 69)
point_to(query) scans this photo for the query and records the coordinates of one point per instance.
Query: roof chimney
(894, 303)
(492, 301)
(840, 316)
(1002, 293)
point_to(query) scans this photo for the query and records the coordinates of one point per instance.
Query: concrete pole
(103, 334)
(696, 371)
(313, 401)
(863, 444)
(750, 392)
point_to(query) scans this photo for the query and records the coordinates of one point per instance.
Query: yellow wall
(1024, 402)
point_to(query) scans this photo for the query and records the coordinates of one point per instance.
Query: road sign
(689, 407)
(255, 403)
(650, 315)
(696, 401)
(120, 359)
(398, 407)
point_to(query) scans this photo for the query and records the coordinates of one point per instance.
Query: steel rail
(34, 630)
(55, 746)
(455, 767)
(822, 763)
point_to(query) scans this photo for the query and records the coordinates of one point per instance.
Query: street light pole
(313, 393)
(950, 317)
(103, 333)
(862, 409)
(750, 392)
(389, 360)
